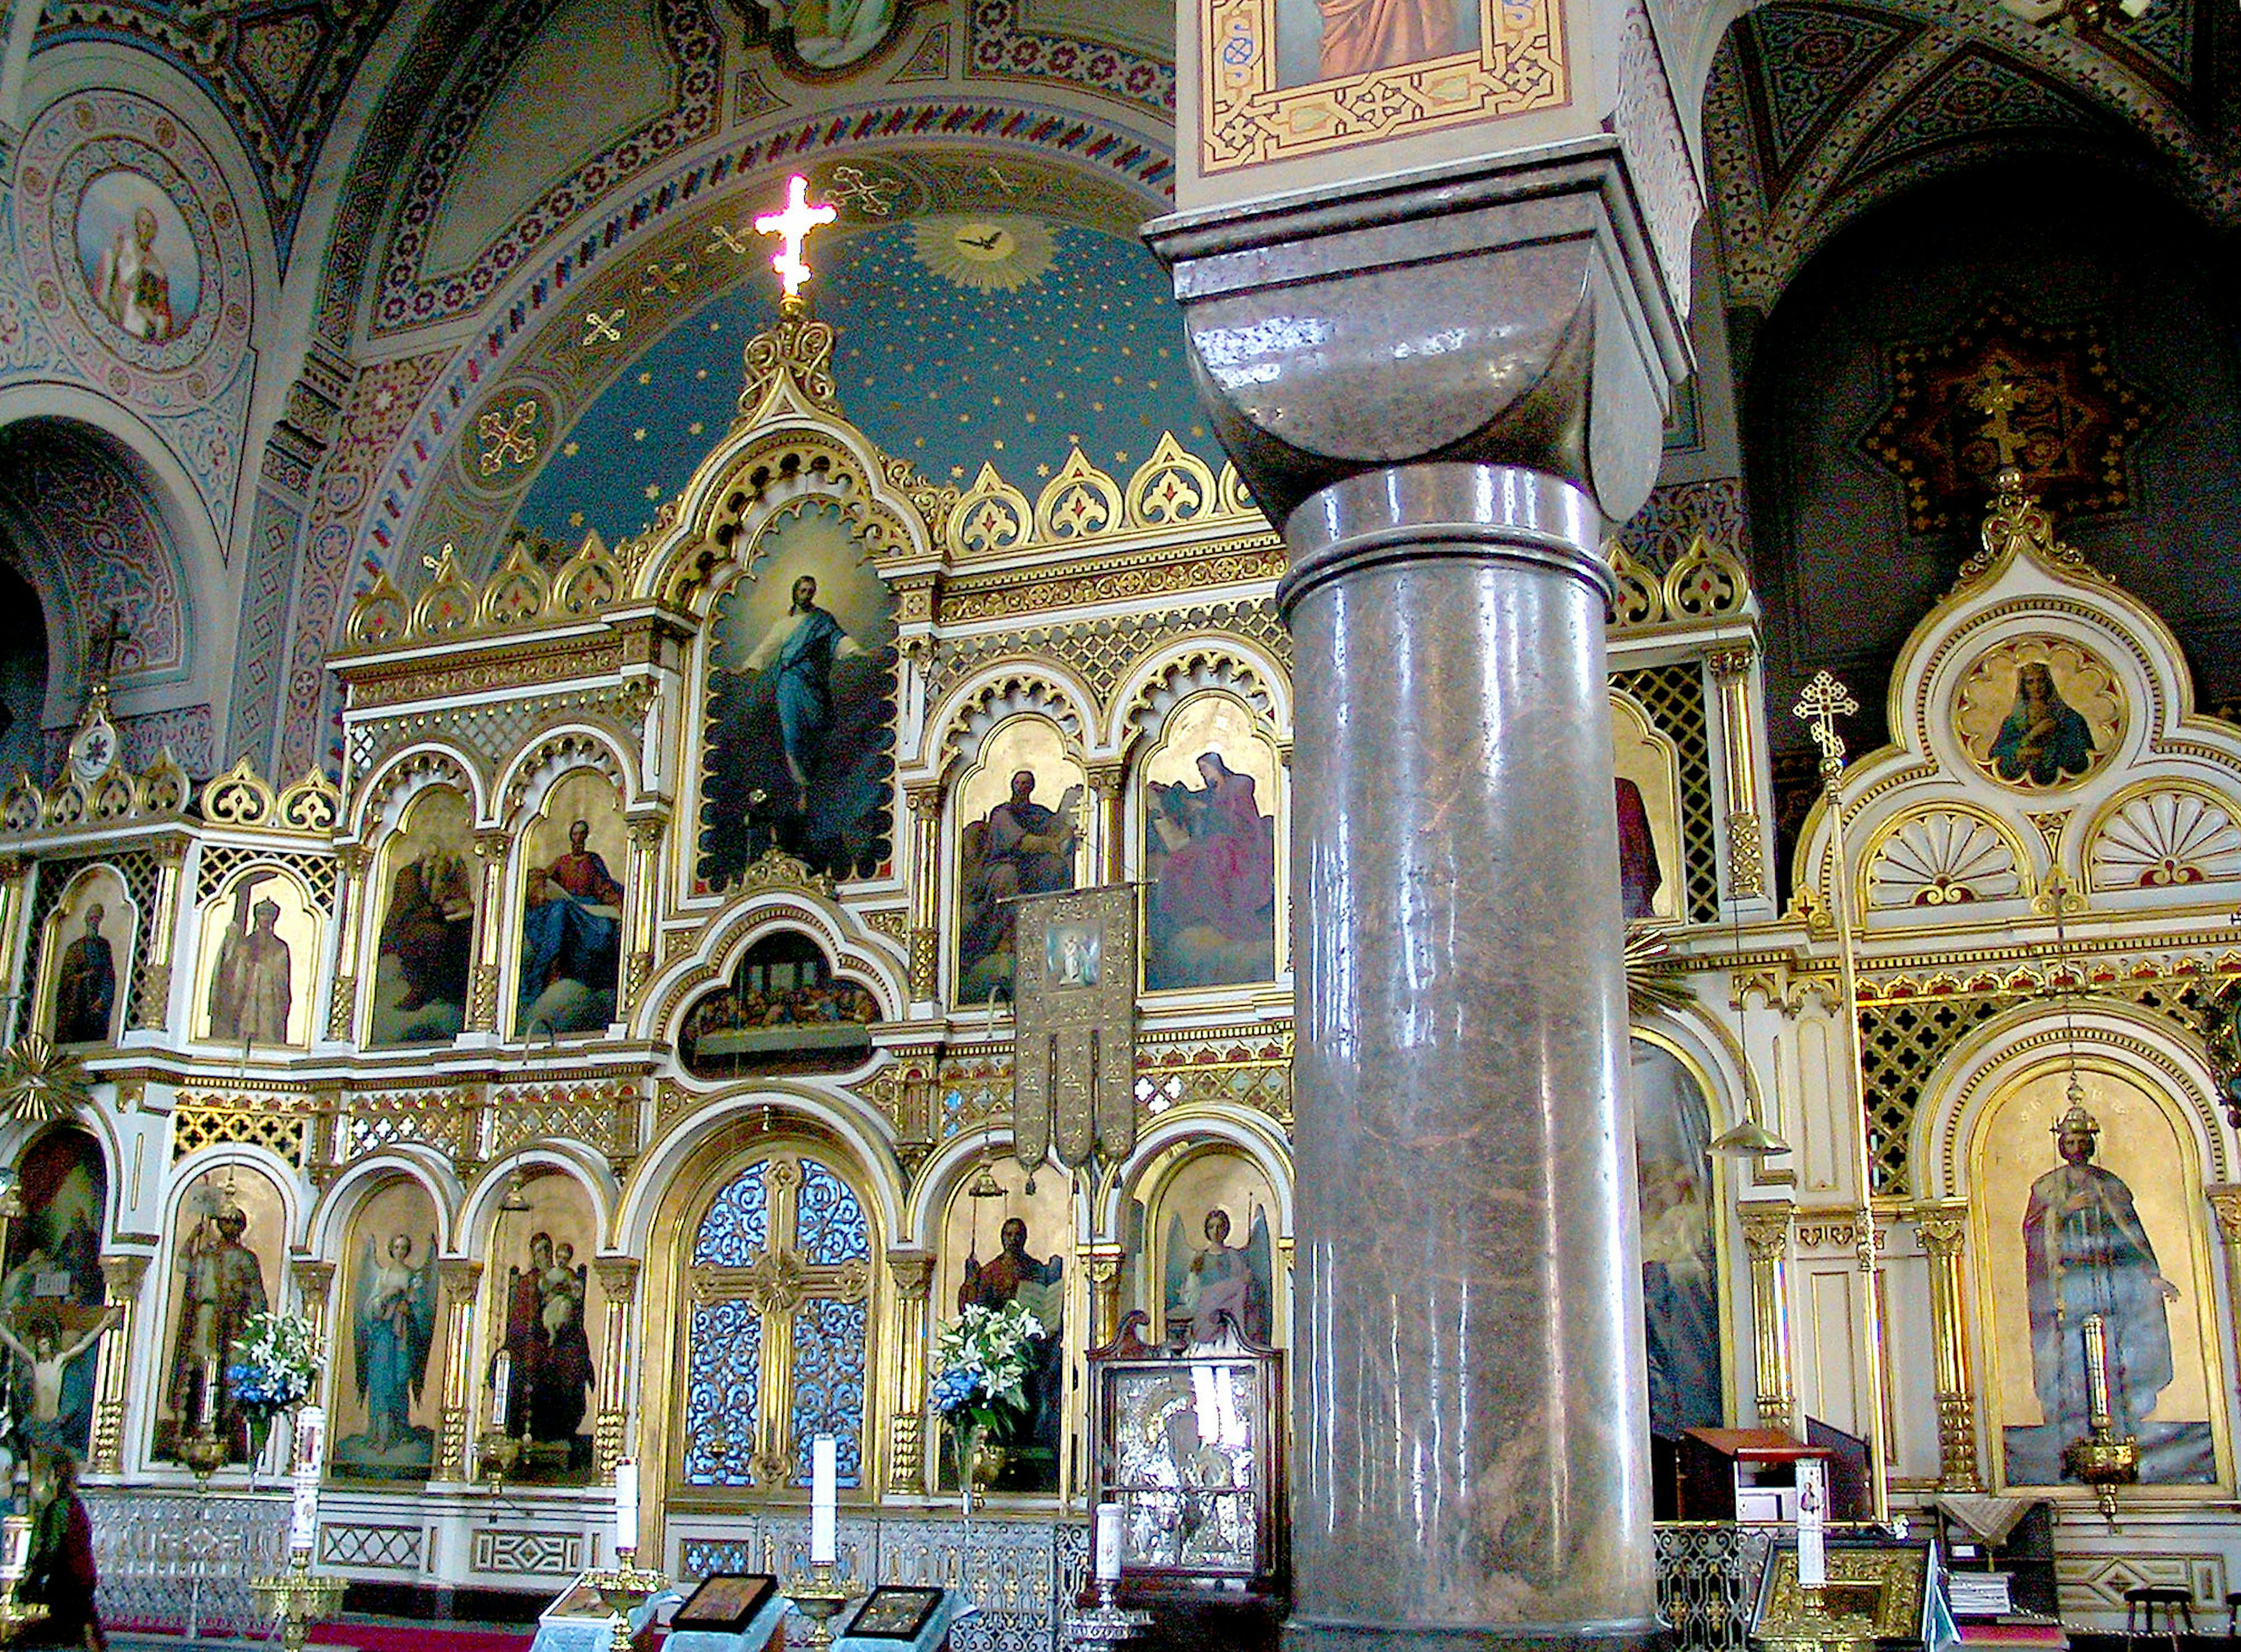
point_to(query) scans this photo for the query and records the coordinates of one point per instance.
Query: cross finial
(792, 227)
(102, 647)
(1995, 399)
(1824, 700)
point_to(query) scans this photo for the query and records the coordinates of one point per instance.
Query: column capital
(2225, 1206)
(493, 846)
(913, 1272)
(646, 830)
(1731, 665)
(1506, 309)
(314, 1278)
(1766, 1230)
(123, 1276)
(618, 1276)
(1943, 1228)
(459, 1277)
(925, 798)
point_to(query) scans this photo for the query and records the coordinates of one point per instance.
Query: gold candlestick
(2104, 1459)
(623, 1587)
(819, 1594)
(298, 1598)
(205, 1453)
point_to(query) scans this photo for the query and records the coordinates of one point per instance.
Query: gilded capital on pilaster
(1766, 1231)
(925, 798)
(618, 1276)
(123, 1276)
(2225, 1207)
(352, 858)
(314, 1279)
(913, 1272)
(646, 831)
(458, 1276)
(1730, 665)
(1105, 778)
(1942, 1234)
(493, 846)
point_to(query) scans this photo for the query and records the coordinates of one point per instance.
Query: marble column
(1448, 388)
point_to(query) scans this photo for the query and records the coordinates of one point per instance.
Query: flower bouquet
(981, 1359)
(274, 1367)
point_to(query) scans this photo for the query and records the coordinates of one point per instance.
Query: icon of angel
(396, 1326)
(1219, 1281)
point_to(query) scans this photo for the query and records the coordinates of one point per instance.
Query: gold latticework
(195, 1127)
(1674, 696)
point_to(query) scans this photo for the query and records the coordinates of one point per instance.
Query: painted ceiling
(1815, 112)
(964, 339)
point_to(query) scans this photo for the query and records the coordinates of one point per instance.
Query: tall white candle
(310, 1439)
(1812, 1514)
(1108, 1542)
(824, 1497)
(501, 1379)
(626, 1504)
(2097, 1371)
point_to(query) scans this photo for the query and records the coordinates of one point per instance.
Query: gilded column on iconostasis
(14, 973)
(925, 890)
(646, 831)
(1103, 1264)
(2225, 1207)
(155, 1007)
(491, 848)
(1104, 785)
(112, 1369)
(459, 1277)
(352, 860)
(1942, 1227)
(609, 1433)
(315, 1279)
(1766, 1242)
(912, 1273)
(1731, 669)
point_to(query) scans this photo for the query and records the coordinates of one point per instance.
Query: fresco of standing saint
(571, 912)
(800, 705)
(1209, 850)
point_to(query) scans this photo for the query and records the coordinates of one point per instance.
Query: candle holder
(2103, 1459)
(205, 1453)
(497, 1454)
(819, 1594)
(1108, 1622)
(623, 1588)
(298, 1598)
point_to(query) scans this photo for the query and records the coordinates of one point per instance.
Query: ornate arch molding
(586, 1165)
(1254, 1134)
(2149, 1050)
(329, 1218)
(1195, 665)
(1770, 220)
(688, 1150)
(852, 946)
(381, 802)
(966, 717)
(554, 755)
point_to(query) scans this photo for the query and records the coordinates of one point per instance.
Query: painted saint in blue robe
(2042, 739)
(798, 651)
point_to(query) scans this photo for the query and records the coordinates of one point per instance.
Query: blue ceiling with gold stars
(961, 340)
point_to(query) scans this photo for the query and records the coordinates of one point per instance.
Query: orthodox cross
(792, 227)
(1824, 700)
(1995, 399)
(102, 647)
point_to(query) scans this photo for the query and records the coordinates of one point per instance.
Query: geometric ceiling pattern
(1814, 113)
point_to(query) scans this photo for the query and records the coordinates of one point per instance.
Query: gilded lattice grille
(1103, 651)
(491, 727)
(194, 1128)
(1674, 696)
(220, 860)
(1902, 1044)
(138, 868)
(378, 1119)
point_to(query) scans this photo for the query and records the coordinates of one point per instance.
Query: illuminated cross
(1824, 700)
(792, 227)
(1995, 399)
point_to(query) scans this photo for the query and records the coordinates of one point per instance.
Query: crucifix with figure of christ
(792, 226)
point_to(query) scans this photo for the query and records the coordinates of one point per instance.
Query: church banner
(1074, 1055)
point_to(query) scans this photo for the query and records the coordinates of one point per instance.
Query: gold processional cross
(1995, 399)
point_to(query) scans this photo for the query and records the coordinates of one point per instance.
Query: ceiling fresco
(964, 339)
(1814, 113)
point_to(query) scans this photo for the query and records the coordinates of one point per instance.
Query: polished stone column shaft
(1470, 1412)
